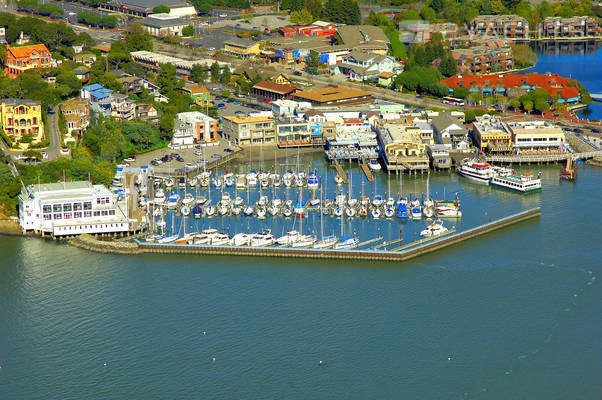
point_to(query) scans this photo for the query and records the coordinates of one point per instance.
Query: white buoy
(321, 363)
(105, 364)
(204, 333)
(448, 358)
(213, 359)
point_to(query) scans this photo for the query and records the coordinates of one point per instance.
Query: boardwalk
(367, 172)
(536, 159)
(342, 173)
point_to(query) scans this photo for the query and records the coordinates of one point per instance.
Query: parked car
(190, 166)
(65, 149)
(595, 130)
(221, 106)
(298, 73)
(215, 156)
(130, 159)
(44, 154)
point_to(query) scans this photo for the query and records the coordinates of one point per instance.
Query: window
(105, 212)
(57, 207)
(77, 214)
(58, 216)
(46, 209)
(111, 212)
(77, 206)
(87, 214)
(67, 207)
(67, 215)
(97, 213)
(47, 217)
(88, 205)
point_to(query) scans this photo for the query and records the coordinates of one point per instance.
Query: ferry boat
(521, 183)
(434, 229)
(477, 171)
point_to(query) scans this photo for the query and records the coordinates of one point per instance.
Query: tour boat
(521, 183)
(374, 165)
(347, 243)
(434, 229)
(481, 172)
(262, 239)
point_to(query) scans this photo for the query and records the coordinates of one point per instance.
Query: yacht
(185, 210)
(210, 210)
(347, 243)
(229, 179)
(376, 213)
(313, 181)
(159, 197)
(193, 181)
(326, 243)
(304, 241)
(238, 201)
(182, 183)
(350, 212)
(248, 211)
(374, 165)
(221, 239)
(240, 239)
(477, 171)
(402, 209)
(416, 209)
(205, 236)
(240, 182)
(188, 199)
(168, 238)
(521, 183)
(289, 238)
(338, 180)
(252, 178)
(428, 209)
(378, 201)
(434, 229)
(263, 239)
(173, 200)
(389, 212)
(447, 208)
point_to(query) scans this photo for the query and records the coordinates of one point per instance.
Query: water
(579, 62)
(514, 314)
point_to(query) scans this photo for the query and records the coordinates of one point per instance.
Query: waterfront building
(352, 142)
(536, 137)
(71, 208)
(574, 27)
(293, 132)
(195, 126)
(23, 58)
(401, 146)
(484, 55)
(163, 25)
(490, 85)
(77, 117)
(20, 117)
(426, 130)
(508, 26)
(439, 156)
(267, 90)
(362, 66)
(450, 132)
(334, 96)
(247, 131)
(491, 135)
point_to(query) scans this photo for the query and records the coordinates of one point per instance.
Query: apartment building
(507, 26)
(554, 27)
(484, 56)
(19, 117)
(77, 117)
(248, 131)
(491, 135)
(20, 59)
(195, 126)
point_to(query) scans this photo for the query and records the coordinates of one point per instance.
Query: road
(54, 149)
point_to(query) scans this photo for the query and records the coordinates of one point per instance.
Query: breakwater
(409, 251)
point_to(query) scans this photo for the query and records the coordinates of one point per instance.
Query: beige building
(536, 136)
(77, 117)
(249, 130)
(402, 147)
(491, 135)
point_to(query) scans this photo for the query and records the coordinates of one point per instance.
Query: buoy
(213, 359)
(204, 333)
(105, 364)
(448, 358)
(320, 362)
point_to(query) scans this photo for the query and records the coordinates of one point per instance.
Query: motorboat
(197, 211)
(347, 243)
(262, 239)
(402, 209)
(188, 199)
(201, 200)
(241, 239)
(221, 239)
(434, 229)
(173, 200)
(304, 241)
(205, 236)
(288, 239)
(374, 165)
(168, 238)
(415, 209)
(389, 212)
(313, 181)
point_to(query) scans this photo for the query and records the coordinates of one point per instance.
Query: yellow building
(20, 117)
(249, 130)
(491, 135)
(403, 148)
(242, 48)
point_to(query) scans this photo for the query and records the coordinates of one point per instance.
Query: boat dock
(367, 242)
(414, 249)
(342, 173)
(387, 244)
(367, 172)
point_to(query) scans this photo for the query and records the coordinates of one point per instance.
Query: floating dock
(415, 249)
(367, 172)
(342, 173)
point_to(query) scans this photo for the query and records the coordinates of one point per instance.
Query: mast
(321, 215)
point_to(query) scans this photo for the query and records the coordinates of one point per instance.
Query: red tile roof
(25, 51)
(552, 83)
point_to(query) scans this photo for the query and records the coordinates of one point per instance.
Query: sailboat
(346, 243)
(325, 242)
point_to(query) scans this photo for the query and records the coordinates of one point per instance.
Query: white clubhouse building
(70, 208)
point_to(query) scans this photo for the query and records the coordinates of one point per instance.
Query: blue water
(582, 66)
(514, 314)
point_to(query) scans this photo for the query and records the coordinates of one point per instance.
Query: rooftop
(148, 4)
(26, 51)
(247, 120)
(18, 102)
(275, 87)
(161, 21)
(353, 35)
(331, 93)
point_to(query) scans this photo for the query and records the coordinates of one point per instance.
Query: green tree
(166, 124)
(428, 14)
(215, 72)
(437, 5)
(497, 7)
(514, 103)
(527, 105)
(199, 73)
(226, 76)
(313, 61)
(167, 79)
(188, 31)
(110, 21)
(137, 38)
(541, 105)
(301, 17)
(161, 9)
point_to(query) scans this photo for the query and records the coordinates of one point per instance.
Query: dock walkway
(342, 173)
(369, 254)
(367, 172)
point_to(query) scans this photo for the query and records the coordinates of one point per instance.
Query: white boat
(261, 211)
(338, 211)
(521, 183)
(313, 181)
(287, 179)
(338, 180)
(376, 213)
(276, 180)
(262, 239)
(205, 236)
(288, 239)
(315, 202)
(210, 210)
(159, 197)
(229, 179)
(389, 212)
(201, 200)
(240, 182)
(350, 212)
(223, 209)
(434, 229)
(251, 178)
(415, 209)
(188, 199)
(299, 210)
(197, 211)
(352, 202)
(238, 201)
(236, 210)
(263, 201)
(185, 210)
(340, 199)
(217, 182)
(378, 201)
(374, 165)
(287, 211)
(326, 243)
(477, 171)
(168, 238)
(193, 181)
(169, 182)
(248, 211)
(428, 209)
(447, 210)
(305, 241)
(347, 243)
(221, 239)
(273, 210)
(173, 200)
(240, 239)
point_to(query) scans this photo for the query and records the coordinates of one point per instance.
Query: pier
(538, 159)
(367, 172)
(416, 249)
(341, 173)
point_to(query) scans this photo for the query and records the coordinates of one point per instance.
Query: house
(121, 107)
(241, 48)
(78, 48)
(249, 131)
(292, 132)
(103, 49)
(20, 59)
(491, 135)
(426, 130)
(272, 90)
(20, 117)
(203, 128)
(507, 26)
(85, 58)
(199, 93)
(386, 79)
(163, 25)
(402, 148)
(77, 117)
(334, 96)
(361, 66)
(146, 112)
(439, 155)
(282, 79)
(153, 62)
(450, 132)
(82, 73)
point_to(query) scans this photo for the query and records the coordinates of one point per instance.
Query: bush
(188, 31)
(6, 139)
